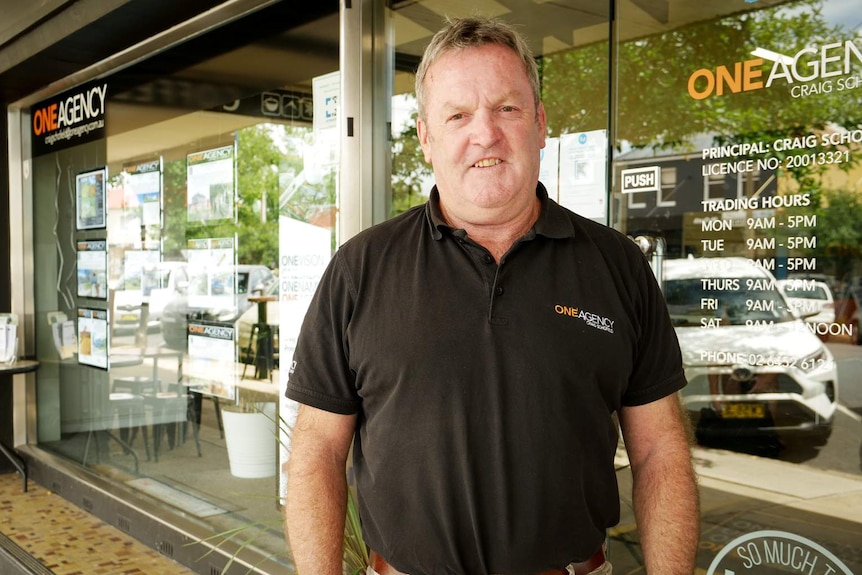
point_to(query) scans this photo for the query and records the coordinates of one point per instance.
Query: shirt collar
(552, 223)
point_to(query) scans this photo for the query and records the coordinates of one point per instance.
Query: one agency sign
(72, 118)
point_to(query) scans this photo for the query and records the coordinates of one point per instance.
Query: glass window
(216, 188)
(760, 266)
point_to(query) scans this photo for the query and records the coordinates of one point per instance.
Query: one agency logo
(767, 552)
(591, 319)
(822, 69)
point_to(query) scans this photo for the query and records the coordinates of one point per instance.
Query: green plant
(356, 557)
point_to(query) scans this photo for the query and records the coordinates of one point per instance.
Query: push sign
(641, 180)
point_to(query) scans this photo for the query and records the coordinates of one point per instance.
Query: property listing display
(92, 269)
(212, 276)
(211, 184)
(211, 367)
(143, 195)
(93, 337)
(91, 205)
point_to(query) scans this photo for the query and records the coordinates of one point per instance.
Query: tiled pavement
(70, 541)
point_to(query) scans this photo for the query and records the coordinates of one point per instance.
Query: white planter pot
(251, 442)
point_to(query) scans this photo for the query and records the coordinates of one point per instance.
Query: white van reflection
(753, 365)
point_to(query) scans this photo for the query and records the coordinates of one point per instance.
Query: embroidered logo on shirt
(591, 319)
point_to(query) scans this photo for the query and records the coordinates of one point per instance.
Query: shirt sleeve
(320, 374)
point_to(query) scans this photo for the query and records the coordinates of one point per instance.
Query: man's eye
(456, 117)
(508, 109)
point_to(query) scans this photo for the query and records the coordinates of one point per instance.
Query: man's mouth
(487, 163)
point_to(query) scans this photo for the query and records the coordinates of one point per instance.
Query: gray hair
(471, 33)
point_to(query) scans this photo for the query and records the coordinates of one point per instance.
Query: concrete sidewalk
(744, 494)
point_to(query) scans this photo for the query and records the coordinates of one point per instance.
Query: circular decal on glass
(765, 552)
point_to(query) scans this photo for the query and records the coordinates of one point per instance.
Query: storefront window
(175, 252)
(754, 116)
(179, 233)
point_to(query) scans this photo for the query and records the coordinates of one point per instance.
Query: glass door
(736, 168)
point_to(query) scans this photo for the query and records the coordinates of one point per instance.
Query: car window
(242, 282)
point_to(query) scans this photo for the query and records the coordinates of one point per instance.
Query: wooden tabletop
(262, 298)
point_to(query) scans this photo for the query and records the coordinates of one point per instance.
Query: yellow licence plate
(743, 410)
(128, 317)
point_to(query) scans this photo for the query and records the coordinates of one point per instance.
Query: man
(475, 350)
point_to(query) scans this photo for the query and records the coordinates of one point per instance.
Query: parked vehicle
(753, 366)
(213, 295)
(812, 300)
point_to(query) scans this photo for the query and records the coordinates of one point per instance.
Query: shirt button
(498, 290)
(488, 259)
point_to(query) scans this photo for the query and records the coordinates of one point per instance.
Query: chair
(134, 412)
(131, 417)
(171, 411)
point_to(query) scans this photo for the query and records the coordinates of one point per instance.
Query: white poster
(211, 273)
(304, 253)
(144, 181)
(549, 168)
(134, 264)
(583, 174)
(325, 125)
(210, 368)
(93, 337)
(92, 269)
(210, 185)
(325, 91)
(8, 337)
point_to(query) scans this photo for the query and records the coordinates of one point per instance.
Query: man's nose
(485, 129)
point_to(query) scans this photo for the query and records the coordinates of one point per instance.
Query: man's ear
(542, 120)
(422, 132)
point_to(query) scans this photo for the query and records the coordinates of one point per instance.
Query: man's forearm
(317, 490)
(666, 510)
(314, 519)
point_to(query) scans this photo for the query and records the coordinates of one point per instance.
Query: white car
(753, 366)
(811, 299)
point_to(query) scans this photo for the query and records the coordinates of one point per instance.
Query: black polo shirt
(484, 392)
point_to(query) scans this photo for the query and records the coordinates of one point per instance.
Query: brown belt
(380, 565)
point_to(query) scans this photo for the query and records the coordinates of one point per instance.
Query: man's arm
(317, 490)
(664, 492)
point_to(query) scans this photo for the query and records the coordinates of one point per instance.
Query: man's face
(482, 133)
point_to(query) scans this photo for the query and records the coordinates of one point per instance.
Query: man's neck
(498, 238)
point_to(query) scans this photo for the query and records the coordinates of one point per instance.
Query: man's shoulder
(390, 234)
(603, 237)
